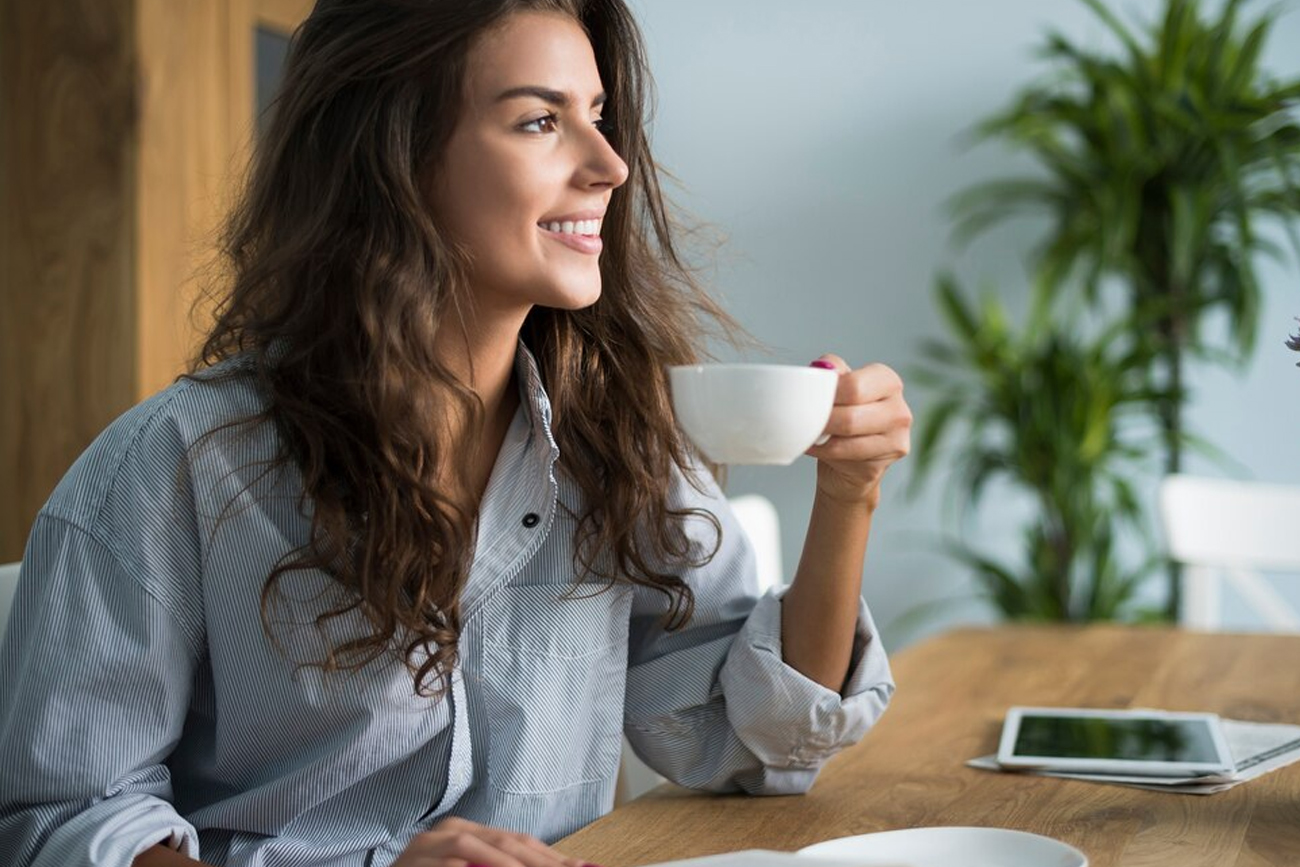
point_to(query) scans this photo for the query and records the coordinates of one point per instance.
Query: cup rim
(741, 365)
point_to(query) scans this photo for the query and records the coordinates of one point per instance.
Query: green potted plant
(1158, 164)
(1056, 415)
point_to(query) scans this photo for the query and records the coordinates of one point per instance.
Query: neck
(482, 356)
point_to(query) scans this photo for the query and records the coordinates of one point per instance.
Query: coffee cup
(752, 413)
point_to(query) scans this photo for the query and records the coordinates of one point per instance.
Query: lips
(582, 243)
(578, 231)
(573, 227)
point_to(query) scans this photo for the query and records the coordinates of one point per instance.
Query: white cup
(752, 413)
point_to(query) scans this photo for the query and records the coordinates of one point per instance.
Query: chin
(573, 296)
(585, 301)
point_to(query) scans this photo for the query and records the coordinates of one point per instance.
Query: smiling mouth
(582, 236)
(573, 227)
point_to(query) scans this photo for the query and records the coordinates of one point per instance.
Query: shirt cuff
(787, 720)
(114, 831)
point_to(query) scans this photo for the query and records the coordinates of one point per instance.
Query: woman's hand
(870, 428)
(461, 843)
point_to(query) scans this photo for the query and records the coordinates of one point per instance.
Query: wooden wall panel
(186, 168)
(282, 15)
(124, 128)
(68, 131)
(197, 64)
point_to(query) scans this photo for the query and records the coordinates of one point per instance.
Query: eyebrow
(557, 98)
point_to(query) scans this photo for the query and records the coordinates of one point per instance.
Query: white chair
(757, 517)
(1229, 532)
(8, 586)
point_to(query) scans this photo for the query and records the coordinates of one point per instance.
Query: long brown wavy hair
(340, 283)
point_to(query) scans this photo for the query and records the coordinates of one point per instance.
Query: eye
(544, 124)
(606, 127)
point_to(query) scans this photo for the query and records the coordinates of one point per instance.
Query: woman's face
(528, 174)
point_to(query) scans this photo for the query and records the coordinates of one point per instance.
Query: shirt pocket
(554, 671)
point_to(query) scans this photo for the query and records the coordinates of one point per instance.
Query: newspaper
(1257, 749)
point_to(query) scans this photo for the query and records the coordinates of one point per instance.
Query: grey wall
(821, 140)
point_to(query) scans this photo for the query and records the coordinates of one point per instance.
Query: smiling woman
(386, 577)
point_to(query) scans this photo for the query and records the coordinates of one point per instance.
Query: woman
(385, 578)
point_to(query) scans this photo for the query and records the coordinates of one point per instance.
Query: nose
(602, 167)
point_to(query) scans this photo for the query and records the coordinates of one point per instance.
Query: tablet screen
(1138, 739)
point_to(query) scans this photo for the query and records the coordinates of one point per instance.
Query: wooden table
(952, 693)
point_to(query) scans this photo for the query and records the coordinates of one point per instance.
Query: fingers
(870, 424)
(839, 365)
(866, 419)
(868, 400)
(549, 857)
(450, 848)
(869, 384)
(873, 448)
(462, 843)
(458, 850)
(865, 385)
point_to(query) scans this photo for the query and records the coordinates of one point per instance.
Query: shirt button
(531, 520)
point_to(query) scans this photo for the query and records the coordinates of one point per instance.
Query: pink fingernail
(824, 365)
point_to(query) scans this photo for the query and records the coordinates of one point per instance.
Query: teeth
(572, 227)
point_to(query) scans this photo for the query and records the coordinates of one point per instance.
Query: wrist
(834, 488)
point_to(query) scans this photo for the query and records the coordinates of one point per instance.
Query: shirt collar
(534, 402)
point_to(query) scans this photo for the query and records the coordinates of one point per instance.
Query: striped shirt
(142, 702)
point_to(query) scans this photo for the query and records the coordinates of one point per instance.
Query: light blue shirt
(142, 702)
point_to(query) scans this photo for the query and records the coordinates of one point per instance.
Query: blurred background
(824, 142)
(821, 144)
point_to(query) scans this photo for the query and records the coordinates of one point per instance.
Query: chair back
(1226, 533)
(757, 517)
(8, 586)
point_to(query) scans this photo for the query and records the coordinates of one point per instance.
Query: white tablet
(1140, 742)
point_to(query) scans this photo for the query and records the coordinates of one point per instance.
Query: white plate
(947, 847)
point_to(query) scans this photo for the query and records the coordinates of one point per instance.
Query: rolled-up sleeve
(95, 679)
(714, 706)
(793, 724)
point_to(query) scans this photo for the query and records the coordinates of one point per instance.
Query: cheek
(498, 208)
(474, 193)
